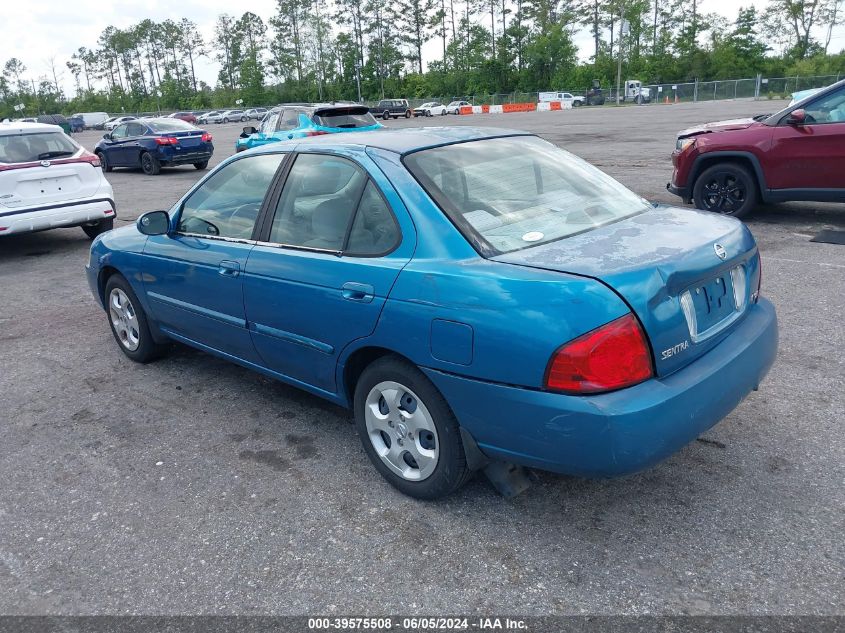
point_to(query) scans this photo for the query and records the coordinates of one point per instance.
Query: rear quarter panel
(514, 317)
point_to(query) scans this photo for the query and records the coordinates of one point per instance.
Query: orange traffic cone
(667, 100)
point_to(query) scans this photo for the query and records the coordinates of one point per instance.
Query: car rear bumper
(185, 157)
(620, 432)
(55, 216)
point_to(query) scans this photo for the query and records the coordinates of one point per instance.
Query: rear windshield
(28, 148)
(347, 118)
(507, 194)
(171, 125)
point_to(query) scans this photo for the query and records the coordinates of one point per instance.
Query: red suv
(795, 154)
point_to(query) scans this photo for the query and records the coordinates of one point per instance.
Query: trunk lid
(667, 265)
(188, 138)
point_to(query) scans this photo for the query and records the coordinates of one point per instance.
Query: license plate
(713, 302)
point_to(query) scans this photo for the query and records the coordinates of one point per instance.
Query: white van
(93, 119)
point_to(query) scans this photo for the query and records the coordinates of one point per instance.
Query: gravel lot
(191, 485)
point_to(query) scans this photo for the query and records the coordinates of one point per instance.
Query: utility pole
(622, 31)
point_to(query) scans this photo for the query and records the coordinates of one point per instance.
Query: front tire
(104, 163)
(128, 322)
(93, 230)
(726, 188)
(407, 114)
(226, 120)
(385, 115)
(150, 164)
(408, 430)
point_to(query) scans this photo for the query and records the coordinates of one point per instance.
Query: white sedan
(48, 181)
(455, 106)
(114, 122)
(430, 109)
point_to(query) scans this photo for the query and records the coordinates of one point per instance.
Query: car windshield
(170, 125)
(507, 194)
(28, 148)
(344, 118)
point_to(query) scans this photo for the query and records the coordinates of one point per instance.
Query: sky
(35, 32)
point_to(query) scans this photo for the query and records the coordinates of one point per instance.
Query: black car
(395, 108)
(154, 143)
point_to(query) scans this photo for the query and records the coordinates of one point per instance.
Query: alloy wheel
(724, 193)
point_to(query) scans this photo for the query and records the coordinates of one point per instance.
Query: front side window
(228, 203)
(330, 203)
(120, 131)
(268, 123)
(506, 194)
(28, 148)
(827, 109)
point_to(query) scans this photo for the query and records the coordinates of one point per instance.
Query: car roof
(402, 141)
(22, 127)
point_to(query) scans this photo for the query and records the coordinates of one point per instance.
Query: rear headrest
(314, 182)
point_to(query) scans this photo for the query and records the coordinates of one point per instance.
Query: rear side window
(28, 148)
(289, 119)
(348, 118)
(227, 204)
(330, 203)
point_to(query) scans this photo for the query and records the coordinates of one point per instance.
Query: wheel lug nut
(390, 423)
(400, 442)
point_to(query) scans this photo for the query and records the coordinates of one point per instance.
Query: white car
(114, 122)
(430, 109)
(455, 107)
(47, 180)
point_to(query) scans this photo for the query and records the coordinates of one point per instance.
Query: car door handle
(229, 269)
(353, 291)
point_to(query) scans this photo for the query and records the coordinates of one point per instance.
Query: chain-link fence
(678, 92)
(672, 92)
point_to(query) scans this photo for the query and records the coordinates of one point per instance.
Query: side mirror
(107, 136)
(249, 130)
(154, 223)
(797, 117)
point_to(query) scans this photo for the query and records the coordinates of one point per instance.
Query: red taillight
(88, 157)
(315, 133)
(613, 356)
(166, 140)
(206, 137)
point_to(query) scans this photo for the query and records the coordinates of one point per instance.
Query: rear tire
(128, 322)
(150, 164)
(415, 424)
(726, 188)
(93, 230)
(204, 164)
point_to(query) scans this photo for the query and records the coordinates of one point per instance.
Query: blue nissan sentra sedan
(154, 143)
(472, 294)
